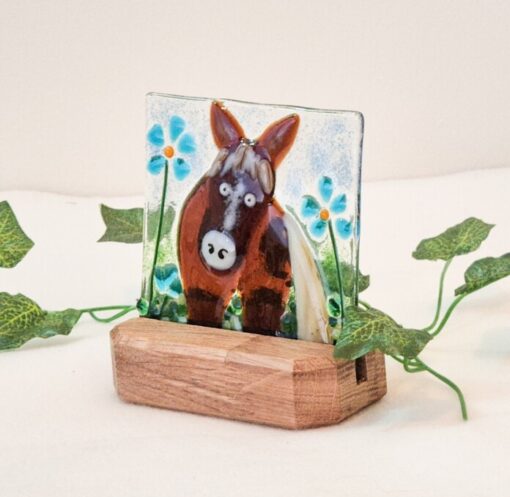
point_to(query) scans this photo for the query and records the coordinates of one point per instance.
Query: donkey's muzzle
(218, 250)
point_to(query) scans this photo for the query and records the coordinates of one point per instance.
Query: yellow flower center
(169, 151)
(324, 214)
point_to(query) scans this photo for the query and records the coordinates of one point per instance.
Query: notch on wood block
(274, 381)
(360, 366)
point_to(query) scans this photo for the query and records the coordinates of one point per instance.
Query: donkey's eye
(225, 189)
(250, 200)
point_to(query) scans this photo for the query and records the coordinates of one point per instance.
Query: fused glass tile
(252, 215)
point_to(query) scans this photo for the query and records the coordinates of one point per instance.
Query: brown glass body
(261, 273)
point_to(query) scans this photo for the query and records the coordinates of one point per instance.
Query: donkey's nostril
(218, 250)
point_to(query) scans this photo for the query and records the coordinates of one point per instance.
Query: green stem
(409, 364)
(106, 308)
(416, 365)
(158, 234)
(114, 317)
(448, 382)
(397, 358)
(440, 296)
(338, 270)
(124, 309)
(364, 304)
(447, 315)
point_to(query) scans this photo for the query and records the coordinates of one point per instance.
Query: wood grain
(261, 379)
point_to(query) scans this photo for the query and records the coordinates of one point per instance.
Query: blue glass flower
(167, 280)
(320, 215)
(178, 143)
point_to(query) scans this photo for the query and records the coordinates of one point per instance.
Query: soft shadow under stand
(267, 380)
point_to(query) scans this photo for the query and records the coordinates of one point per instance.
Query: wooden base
(274, 381)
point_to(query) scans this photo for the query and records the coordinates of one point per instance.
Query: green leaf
(168, 221)
(18, 317)
(57, 323)
(14, 243)
(348, 275)
(483, 272)
(457, 240)
(21, 319)
(288, 325)
(142, 306)
(333, 305)
(122, 225)
(371, 329)
(236, 305)
(126, 225)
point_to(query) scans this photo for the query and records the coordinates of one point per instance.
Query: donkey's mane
(244, 159)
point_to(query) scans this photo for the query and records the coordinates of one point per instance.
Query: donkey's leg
(263, 308)
(205, 308)
(207, 294)
(266, 280)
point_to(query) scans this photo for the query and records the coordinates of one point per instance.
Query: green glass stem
(447, 315)
(439, 297)
(338, 270)
(158, 233)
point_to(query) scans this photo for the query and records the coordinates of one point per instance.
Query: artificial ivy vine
(365, 328)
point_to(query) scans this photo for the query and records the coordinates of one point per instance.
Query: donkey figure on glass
(235, 236)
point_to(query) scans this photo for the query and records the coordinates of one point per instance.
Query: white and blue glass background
(328, 144)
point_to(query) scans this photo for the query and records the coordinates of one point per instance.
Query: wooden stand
(274, 381)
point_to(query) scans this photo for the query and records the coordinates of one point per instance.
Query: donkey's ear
(225, 128)
(279, 137)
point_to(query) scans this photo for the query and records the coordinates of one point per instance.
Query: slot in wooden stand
(274, 381)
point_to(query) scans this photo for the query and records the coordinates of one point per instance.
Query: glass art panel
(252, 216)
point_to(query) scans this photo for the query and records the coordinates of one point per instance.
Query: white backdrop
(431, 77)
